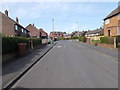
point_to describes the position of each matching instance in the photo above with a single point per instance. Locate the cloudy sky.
(68, 16)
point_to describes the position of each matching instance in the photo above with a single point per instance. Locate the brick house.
(112, 23)
(43, 34)
(56, 34)
(98, 31)
(35, 32)
(11, 28)
(78, 33)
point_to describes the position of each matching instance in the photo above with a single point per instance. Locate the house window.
(25, 31)
(118, 16)
(107, 21)
(22, 30)
(16, 27)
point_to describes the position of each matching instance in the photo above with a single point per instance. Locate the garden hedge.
(76, 37)
(10, 44)
(107, 40)
(82, 38)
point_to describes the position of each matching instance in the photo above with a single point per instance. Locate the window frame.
(107, 21)
(22, 30)
(16, 27)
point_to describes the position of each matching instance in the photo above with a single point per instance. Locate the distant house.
(112, 23)
(66, 35)
(43, 34)
(94, 32)
(78, 33)
(56, 35)
(75, 34)
(82, 33)
(38, 33)
(34, 32)
(11, 28)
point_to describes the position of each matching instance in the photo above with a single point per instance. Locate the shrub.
(10, 44)
(118, 45)
(36, 41)
(82, 38)
(61, 38)
(108, 40)
(76, 37)
(96, 41)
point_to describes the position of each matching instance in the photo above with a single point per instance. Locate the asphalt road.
(72, 65)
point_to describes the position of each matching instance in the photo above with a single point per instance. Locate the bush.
(36, 41)
(108, 40)
(10, 44)
(118, 45)
(82, 38)
(96, 41)
(62, 38)
(76, 37)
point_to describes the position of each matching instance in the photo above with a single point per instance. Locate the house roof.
(95, 31)
(33, 30)
(43, 33)
(113, 13)
(13, 21)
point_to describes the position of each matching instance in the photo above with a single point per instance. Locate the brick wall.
(113, 30)
(7, 28)
(105, 45)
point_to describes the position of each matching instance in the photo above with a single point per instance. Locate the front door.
(108, 32)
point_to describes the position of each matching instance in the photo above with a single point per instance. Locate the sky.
(68, 16)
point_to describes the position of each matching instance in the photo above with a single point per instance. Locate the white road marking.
(59, 46)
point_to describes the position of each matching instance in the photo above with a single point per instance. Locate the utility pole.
(53, 28)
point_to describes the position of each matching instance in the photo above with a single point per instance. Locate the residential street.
(71, 64)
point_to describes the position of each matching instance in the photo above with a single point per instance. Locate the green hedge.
(10, 44)
(74, 37)
(96, 41)
(36, 41)
(82, 38)
(118, 45)
(64, 38)
(107, 40)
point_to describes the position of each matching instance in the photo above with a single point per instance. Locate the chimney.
(33, 24)
(6, 12)
(17, 20)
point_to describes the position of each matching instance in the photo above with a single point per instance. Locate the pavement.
(72, 65)
(14, 68)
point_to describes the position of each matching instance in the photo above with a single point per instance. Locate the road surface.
(72, 65)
